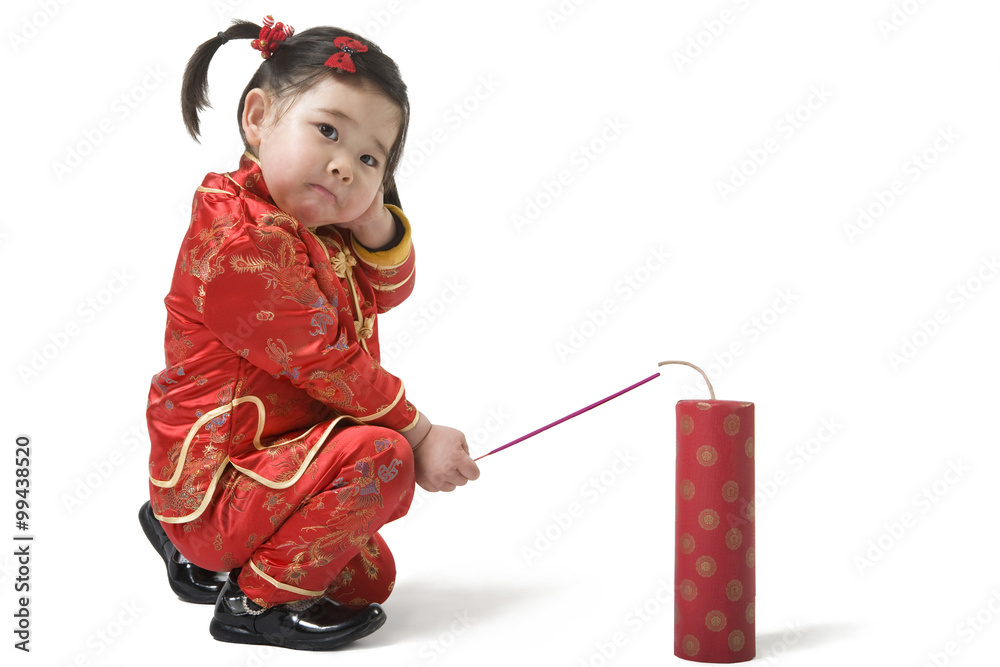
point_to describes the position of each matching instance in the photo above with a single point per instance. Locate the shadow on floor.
(422, 612)
(797, 636)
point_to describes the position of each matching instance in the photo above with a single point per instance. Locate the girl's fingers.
(468, 469)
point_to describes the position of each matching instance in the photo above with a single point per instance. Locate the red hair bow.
(271, 37)
(342, 59)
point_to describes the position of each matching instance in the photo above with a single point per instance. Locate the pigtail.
(390, 195)
(194, 88)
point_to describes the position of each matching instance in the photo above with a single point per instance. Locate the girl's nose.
(340, 168)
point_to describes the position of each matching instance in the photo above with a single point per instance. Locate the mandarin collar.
(249, 177)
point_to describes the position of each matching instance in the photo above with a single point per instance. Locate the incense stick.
(570, 416)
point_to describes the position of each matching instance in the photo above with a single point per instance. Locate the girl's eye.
(328, 131)
(369, 160)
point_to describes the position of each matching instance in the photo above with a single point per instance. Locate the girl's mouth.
(326, 194)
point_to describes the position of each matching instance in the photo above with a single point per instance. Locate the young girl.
(280, 445)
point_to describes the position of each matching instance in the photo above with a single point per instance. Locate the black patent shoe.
(190, 582)
(317, 624)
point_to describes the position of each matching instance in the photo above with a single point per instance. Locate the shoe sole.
(237, 635)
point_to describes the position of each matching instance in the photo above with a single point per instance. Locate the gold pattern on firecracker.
(749, 448)
(688, 590)
(705, 566)
(734, 538)
(708, 519)
(706, 455)
(731, 424)
(715, 620)
(690, 645)
(751, 559)
(687, 543)
(730, 491)
(750, 612)
(687, 489)
(734, 590)
(687, 425)
(736, 640)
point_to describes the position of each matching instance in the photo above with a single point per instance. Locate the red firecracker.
(714, 563)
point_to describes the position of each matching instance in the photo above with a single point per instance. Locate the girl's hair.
(293, 68)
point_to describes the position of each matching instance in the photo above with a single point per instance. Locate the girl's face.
(324, 158)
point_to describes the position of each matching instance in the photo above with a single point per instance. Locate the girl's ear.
(255, 112)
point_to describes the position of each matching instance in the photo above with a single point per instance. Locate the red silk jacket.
(271, 339)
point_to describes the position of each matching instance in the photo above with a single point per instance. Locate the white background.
(505, 331)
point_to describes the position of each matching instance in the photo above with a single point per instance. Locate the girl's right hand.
(442, 461)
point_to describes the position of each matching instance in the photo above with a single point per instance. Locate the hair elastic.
(223, 37)
(271, 36)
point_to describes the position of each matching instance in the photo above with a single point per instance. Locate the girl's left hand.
(375, 227)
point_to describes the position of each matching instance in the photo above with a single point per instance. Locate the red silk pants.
(318, 536)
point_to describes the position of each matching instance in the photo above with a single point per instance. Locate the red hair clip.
(271, 37)
(342, 59)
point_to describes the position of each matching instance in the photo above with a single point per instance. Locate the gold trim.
(384, 411)
(253, 158)
(394, 286)
(211, 414)
(412, 424)
(261, 419)
(352, 287)
(387, 259)
(202, 188)
(209, 493)
(302, 468)
(285, 587)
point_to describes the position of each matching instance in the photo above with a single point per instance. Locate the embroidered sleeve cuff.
(412, 423)
(394, 256)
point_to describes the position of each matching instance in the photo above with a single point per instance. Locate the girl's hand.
(373, 228)
(442, 460)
